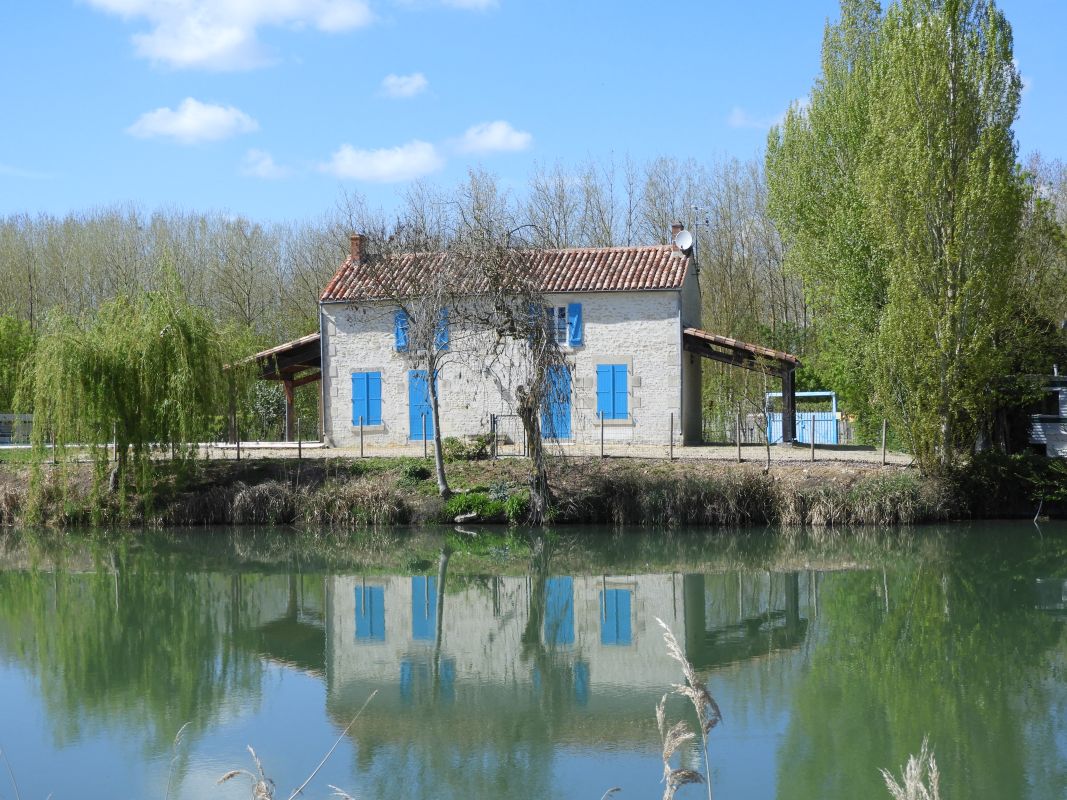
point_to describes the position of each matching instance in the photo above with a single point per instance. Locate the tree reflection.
(137, 644)
(953, 649)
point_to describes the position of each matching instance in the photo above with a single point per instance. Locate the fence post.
(884, 424)
(492, 433)
(767, 441)
(361, 436)
(424, 453)
(115, 439)
(812, 434)
(601, 415)
(737, 433)
(672, 437)
(299, 442)
(237, 429)
(54, 462)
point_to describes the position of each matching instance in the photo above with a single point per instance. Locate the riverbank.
(353, 492)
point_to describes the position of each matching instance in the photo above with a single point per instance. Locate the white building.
(622, 318)
(1049, 428)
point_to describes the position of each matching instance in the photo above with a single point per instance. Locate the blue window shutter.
(400, 325)
(574, 324)
(441, 341)
(619, 391)
(359, 398)
(604, 398)
(374, 398)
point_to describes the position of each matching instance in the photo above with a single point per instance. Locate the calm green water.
(532, 672)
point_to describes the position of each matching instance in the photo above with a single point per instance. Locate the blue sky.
(268, 107)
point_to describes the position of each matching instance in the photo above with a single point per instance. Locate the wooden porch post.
(789, 404)
(290, 411)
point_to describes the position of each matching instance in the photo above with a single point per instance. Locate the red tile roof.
(583, 269)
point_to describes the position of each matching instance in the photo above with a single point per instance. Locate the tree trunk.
(438, 450)
(540, 496)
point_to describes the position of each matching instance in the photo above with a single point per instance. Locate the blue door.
(556, 412)
(419, 404)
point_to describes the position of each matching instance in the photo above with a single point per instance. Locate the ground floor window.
(612, 391)
(366, 398)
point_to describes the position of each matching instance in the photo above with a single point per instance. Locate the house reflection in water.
(491, 676)
(582, 645)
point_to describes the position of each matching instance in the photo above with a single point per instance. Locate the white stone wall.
(482, 635)
(640, 329)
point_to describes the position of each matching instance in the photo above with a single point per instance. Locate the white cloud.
(404, 85)
(221, 34)
(493, 137)
(261, 164)
(193, 122)
(472, 5)
(740, 118)
(387, 165)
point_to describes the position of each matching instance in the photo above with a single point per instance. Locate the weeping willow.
(144, 371)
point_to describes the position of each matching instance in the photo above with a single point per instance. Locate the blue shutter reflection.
(423, 608)
(615, 617)
(559, 611)
(370, 613)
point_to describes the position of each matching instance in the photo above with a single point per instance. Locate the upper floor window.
(564, 324)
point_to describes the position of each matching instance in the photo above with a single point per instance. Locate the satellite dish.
(684, 240)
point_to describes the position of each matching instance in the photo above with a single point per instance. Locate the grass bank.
(382, 492)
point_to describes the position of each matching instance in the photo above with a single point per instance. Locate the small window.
(1051, 403)
(400, 330)
(366, 398)
(612, 395)
(557, 323)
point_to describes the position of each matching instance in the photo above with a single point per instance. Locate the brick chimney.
(676, 228)
(355, 247)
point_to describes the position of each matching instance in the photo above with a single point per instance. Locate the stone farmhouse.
(619, 316)
(626, 318)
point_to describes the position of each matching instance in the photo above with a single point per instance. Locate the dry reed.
(920, 779)
(708, 717)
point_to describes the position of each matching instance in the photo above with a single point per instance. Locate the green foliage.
(517, 506)
(474, 448)
(413, 473)
(994, 484)
(899, 193)
(146, 370)
(16, 345)
(477, 503)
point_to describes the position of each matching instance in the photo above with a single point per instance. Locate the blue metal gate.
(821, 424)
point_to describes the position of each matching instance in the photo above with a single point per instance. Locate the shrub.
(413, 473)
(517, 506)
(475, 448)
(474, 502)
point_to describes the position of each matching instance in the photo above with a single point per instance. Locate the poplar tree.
(898, 192)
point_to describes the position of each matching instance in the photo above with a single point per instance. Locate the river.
(519, 667)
